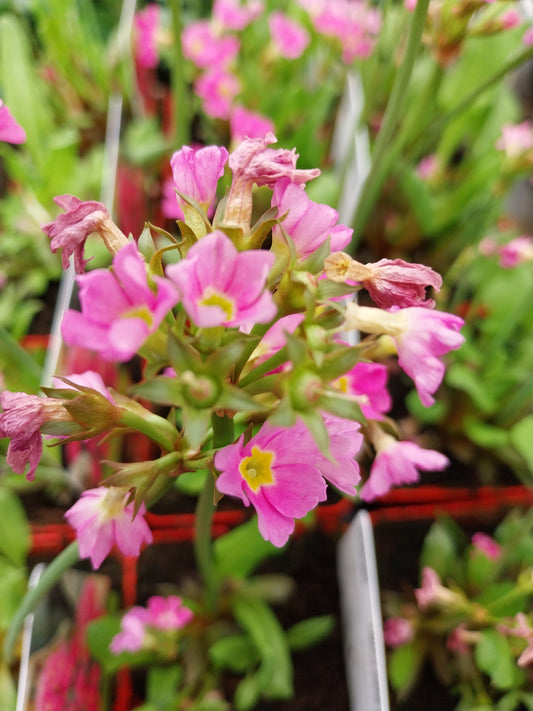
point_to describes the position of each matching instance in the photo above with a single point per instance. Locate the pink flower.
(102, 518)
(511, 18)
(288, 36)
(527, 37)
(234, 15)
(169, 202)
(162, 613)
(308, 224)
(88, 379)
(21, 420)
(487, 545)
(196, 173)
(428, 167)
(247, 124)
(367, 382)
(432, 593)
(10, 130)
(397, 463)
(119, 309)
(410, 5)
(516, 139)
(422, 336)
(275, 338)
(70, 230)
(516, 251)
(146, 24)
(220, 286)
(217, 87)
(397, 631)
(203, 46)
(280, 472)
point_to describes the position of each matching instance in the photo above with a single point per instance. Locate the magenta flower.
(397, 631)
(516, 139)
(516, 251)
(119, 309)
(10, 130)
(487, 545)
(70, 230)
(196, 173)
(247, 124)
(220, 286)
(146, 24)
(169, 202)
(234, 15)
(88, 379)
(281, 471)
(308, 224)
(288, 36)
(21, 420)
(398, 463)
(217, 88)
(208, 50)
(162, 613)
(422, 336)
(367, 382)
(103, 518)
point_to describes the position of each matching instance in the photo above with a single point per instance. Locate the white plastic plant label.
(364, 650)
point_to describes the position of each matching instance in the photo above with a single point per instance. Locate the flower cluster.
(241, 324)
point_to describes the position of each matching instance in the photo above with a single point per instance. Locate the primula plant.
(243, 324)
(470, 617)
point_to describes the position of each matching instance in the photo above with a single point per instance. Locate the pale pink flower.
(288, 36)
(427, 167)
(119, 309)
(280, 472)
(516, 251)
(397, 631)
(220, 286)
(217, 88)
(398, 463)
(516, 139)
(432, 592)
(460, 639)
(102, 518)
(345, 442)
(88, 379)
(527, 37)
(275, 338)
(308, 224)
(410, 5)
(487, 545)
(169, 203)
(10, 130)
(196, 171)
(70, 230)
(367, 382)
(511, 18)
(22, 418)
(208, 50)
(234, 15)
(488, 246)
(146, 25)
(524, 630)
(248, 124)
(162, 613)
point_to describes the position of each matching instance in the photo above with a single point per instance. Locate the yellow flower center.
(256, 469)
(214, 298)
(143, 313)
(341, 384)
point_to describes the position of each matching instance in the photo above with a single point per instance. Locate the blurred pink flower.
(308, 224)
(432, 592)
(398, 463)
(119, 308)
(511, 18)
(280, 472)
(516, 251)
(146, 25)
(235, 15)
(275, 338)
(207, 49)
(102, 518)
(367, 382)
(217, 88)
(527, 37)
(220, 286)
(70, 230)
(487, 545)
(397, 631)
(516, 139)
(247, 124)
(89, 379)
(10, 130)
(196, 171)
(169, 201)
(288, 36)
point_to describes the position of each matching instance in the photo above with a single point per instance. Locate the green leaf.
(493, 656)
(439, 550)
(247, 693)
(404, 666)
(236, 653)
(521, 437)
(15, 534)
(100, 632)
(13, 583)
(196, 424)
(309, 632)
(162, 685)
(161, 390)
(275, 672)
(239, 552)
(8, 692)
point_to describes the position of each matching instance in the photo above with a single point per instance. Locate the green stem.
(391, 119)
(179, 86)
(65, 560)
(203, 541)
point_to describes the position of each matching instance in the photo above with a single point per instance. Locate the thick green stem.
(391, 119)
(179, 86)
(65, 560)
(203, 540)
